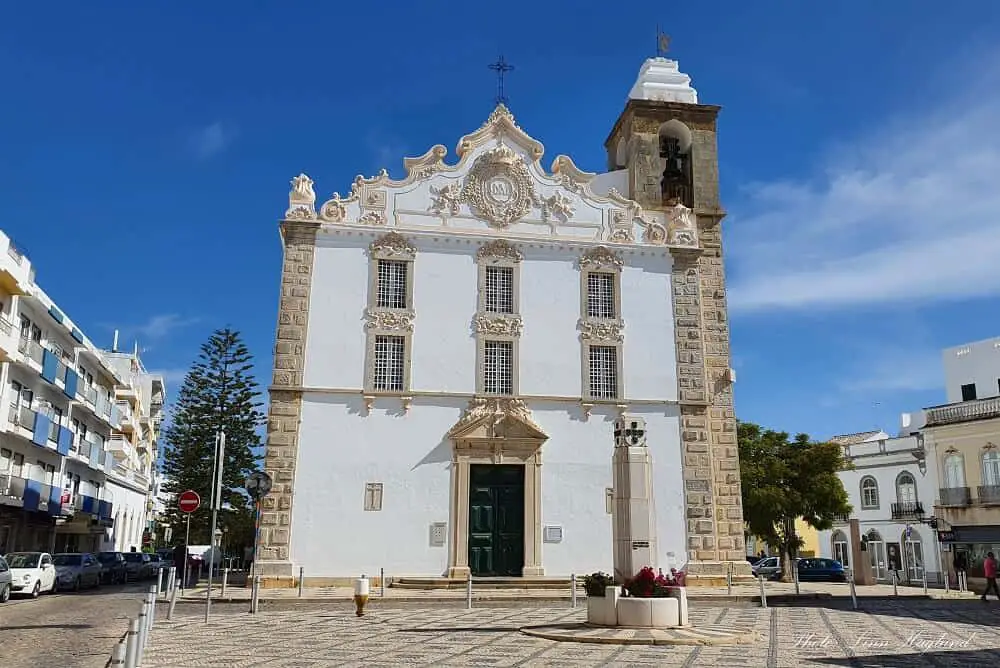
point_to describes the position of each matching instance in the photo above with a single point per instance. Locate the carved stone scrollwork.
(655, 234)
(622, 235)
(499, 325)
(389, 320)
(334, 210)
(481, 407)
(499, 188)
(498, 249)
(608, 331)
(558, 205)
(601, 256)
(301, 199)
(682, 229)
(300, 212)
(392, 246)
(374, 218)
(447, 200)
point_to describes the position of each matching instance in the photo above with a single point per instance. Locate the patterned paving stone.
(887, 633)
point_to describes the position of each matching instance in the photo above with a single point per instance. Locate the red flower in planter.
(647, 583)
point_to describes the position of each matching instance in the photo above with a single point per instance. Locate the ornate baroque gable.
(498, 187)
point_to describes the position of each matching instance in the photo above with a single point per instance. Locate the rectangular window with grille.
(603, 372)
(373, 496)
(391, 288)
(601, 295)
(498, 292)
(390, 359)
(498, 367)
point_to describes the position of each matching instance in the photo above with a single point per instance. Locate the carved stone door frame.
(497, 451)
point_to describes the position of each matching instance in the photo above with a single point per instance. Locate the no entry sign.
(188, 501)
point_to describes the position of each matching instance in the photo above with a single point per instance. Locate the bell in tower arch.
(675, 185)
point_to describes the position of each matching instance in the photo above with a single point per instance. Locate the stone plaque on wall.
(438, 534)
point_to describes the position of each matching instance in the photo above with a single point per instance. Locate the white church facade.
(453, 349)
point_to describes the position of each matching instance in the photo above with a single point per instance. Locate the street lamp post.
(220, 459)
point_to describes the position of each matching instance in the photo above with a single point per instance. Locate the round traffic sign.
(188, 501)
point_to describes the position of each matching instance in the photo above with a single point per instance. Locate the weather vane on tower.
(501, 67)
(662, 43)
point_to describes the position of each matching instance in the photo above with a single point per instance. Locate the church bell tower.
(667, 142)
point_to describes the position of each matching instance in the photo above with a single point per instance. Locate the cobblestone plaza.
(883, 633)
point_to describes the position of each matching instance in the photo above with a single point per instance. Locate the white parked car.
(31, 572)
(5, 581)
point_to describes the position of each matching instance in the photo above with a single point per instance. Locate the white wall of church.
(444, 300)
(341, 449)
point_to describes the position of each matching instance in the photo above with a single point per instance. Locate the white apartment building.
(972, 371)
(59, 459)
(891, 488)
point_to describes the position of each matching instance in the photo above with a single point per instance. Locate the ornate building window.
(869, 493)
(601, 325)
(497, 322)
(991, 468)
(954, 471)
(389, 316)
(906, 488)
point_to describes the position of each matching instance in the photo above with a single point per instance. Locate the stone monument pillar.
(633, 513)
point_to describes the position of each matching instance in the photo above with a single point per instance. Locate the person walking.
(990, 571)
(180, 561)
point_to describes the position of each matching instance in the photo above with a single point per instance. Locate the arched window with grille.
(869, 493)
(954, 471)
(906, 488)
(841, 548)
(991, 468)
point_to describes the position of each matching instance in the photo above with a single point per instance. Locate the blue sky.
(146, 154)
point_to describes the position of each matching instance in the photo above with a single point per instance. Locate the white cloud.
(908, 214)
(895, 370)
(211, 140)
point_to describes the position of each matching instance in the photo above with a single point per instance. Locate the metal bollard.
(795, 576)
(381, 582)
(225, 581)
(255, 594)
(302, 579)
(173, 603)
(925, 582)
(854, 592)
(152, 611)
(140, 642)
(729, 580)
(468, 592)
(171, 582)
(159, 581)
(895, 591)
(118, 655)
(572, 586)
(763, 594)
(132, 644)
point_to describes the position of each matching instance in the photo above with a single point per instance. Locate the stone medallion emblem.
(499, 188)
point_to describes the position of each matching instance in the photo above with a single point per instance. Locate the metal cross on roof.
(662, 43)
(501, 67)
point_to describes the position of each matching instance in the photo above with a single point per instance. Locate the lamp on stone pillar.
(633, 512)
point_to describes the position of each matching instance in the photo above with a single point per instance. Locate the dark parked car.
(818, 570)
(115, 568)
(138, 564)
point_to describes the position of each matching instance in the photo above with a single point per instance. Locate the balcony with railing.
(83, 447)
(53, 368)
(31, 350)
(842, 518)
(86, 393)
(118, 443)
(97, 455)
(12, 490)
(907, 510)
(128, 422)
(988, 495)
(955, 497)
(102, 406)
(8, 343)
(964, 411)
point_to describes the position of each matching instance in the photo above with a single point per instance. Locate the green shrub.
(595, 583)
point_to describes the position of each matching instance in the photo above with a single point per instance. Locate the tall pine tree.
(219, 393)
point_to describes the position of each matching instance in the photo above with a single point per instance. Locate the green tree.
(218, 393)
(784, 479)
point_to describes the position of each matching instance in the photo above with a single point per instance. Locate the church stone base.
(713, 573)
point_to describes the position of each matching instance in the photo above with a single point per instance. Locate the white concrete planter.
(638, 613)
(602, 610)
(648, 613)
